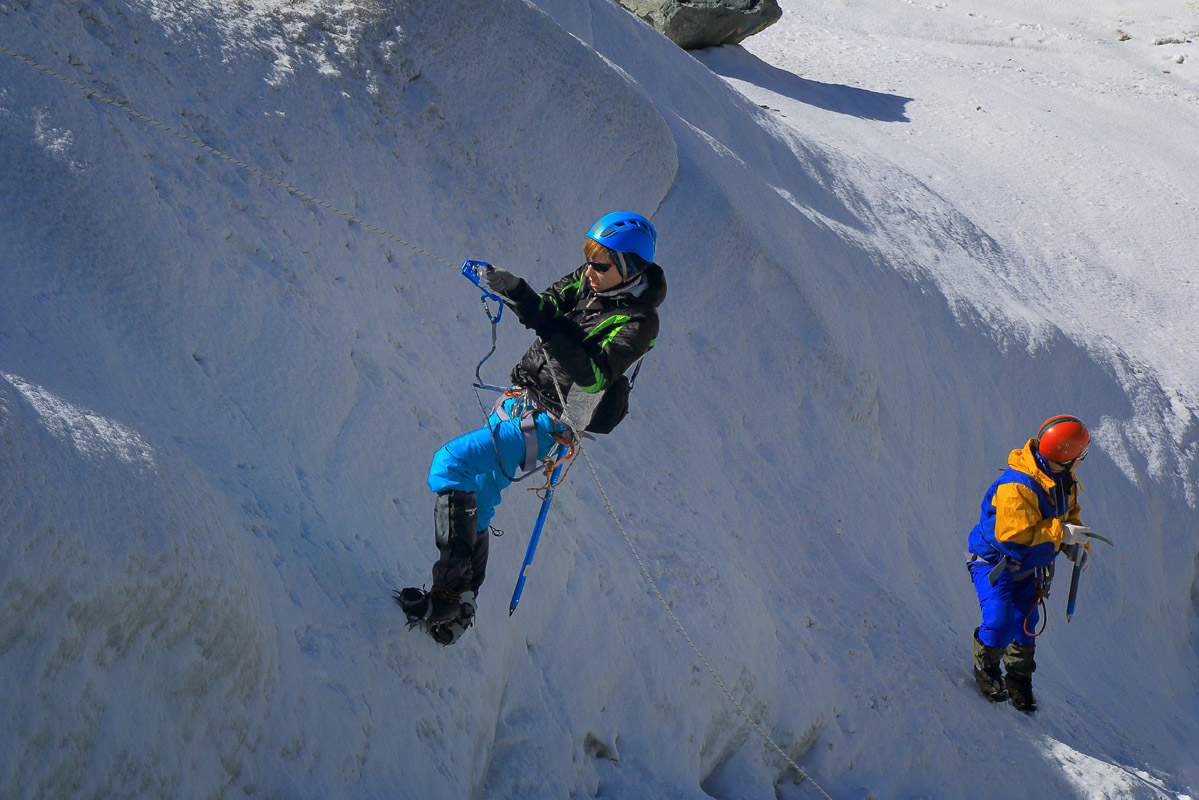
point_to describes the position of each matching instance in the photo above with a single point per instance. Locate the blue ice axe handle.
(1077, 572)
(473, 270)
(559, 452)
(1074, 576)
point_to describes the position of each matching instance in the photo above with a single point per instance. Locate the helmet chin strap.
(621, 262)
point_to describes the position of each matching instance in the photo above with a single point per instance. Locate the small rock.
(692, 24)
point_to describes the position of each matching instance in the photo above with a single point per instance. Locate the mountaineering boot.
(446, 633)
(1020, 664)
(987, 672)
(448, 609)
(443, 614)
(413, 601)
(437, 605)
(1022, 696)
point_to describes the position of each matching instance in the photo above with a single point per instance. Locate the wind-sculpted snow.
(129, 629)
(218, 403)
(95, 437)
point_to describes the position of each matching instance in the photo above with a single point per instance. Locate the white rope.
(698, 654)
(92, 93)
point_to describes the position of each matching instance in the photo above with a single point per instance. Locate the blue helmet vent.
(626, 232)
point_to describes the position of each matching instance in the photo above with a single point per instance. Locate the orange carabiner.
(570, 451)
(1044, 616)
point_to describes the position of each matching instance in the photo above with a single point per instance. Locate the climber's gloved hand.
(1074, 534)
(499, 281)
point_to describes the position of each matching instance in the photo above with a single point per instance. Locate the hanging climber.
(591, 326)
(1028, 515)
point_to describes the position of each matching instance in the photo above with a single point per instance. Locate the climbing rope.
(757, 726)
(576, 449)
(300, 193)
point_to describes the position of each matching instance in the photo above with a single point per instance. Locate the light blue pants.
(470, 464)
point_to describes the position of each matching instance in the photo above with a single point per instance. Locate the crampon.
(443, 614)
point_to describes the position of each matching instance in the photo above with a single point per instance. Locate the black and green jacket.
(585, 339)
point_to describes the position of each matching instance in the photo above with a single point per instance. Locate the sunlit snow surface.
(897, 237)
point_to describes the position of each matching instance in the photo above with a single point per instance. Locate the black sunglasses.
(599, 266)
(1076, 460)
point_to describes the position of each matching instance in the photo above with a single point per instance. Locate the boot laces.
(445, 594)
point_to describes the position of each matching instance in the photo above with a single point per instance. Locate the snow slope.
(218, 401)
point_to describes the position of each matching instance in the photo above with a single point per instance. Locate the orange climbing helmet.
(1063, 439)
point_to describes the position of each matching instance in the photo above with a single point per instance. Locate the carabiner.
(473, 270)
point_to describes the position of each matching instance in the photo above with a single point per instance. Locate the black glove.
(499, 281)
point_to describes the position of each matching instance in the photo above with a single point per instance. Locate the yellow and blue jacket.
(1023, 511)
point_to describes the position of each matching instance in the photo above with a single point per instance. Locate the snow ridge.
(218, 403)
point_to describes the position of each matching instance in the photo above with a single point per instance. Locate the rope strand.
(94, 94)
(687, 636)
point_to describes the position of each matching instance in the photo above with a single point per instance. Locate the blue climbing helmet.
(626, 232)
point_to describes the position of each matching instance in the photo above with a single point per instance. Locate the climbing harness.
(1005, 564)
(515, 403)
(522, 406)
(562, 453)
(1042, 576)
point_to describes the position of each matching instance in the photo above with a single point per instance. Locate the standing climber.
(1028, 515)
(591, 326)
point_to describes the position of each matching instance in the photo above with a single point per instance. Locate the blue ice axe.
(1076, 572)
(1074, 575)
(559, 452)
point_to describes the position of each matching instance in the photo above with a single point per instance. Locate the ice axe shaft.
(545, 508)
(1077, 571)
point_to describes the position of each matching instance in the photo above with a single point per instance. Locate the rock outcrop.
(692, 24)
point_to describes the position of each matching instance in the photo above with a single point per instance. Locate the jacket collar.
(648, 288)
(1033, 464)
